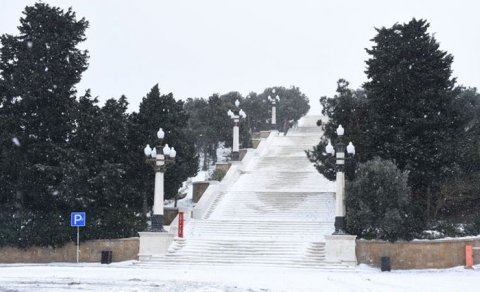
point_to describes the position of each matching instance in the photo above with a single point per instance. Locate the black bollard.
(385, 267)
(106, 257)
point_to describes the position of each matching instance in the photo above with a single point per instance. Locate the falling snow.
(16, 141)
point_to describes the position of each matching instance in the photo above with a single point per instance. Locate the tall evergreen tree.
(259, 111)
(410, 112)
(292, 106)
(38, 72)
(410, 93)
(348, 108)
(163, 111)
(211, 124)
(198, 110)
(39, 69)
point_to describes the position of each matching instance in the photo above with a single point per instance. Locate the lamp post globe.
(160, 134)
(340, 130)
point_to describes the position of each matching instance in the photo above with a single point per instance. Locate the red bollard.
(468, 257)
(180, 224)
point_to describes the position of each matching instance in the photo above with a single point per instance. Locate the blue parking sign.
(78, 219)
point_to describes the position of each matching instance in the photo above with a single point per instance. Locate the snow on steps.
(258, 230)
(273, 209)
(279, 206)
(287, 254)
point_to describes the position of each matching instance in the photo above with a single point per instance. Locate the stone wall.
(223, 166)
(169, 213)
(255, 142)
(264, 134)
(242, 153)
(424, 254)
(199, 187)
(90, 251)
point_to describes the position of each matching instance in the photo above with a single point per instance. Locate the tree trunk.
(285, 127)
(429, 203)
(205, 158)
(214, 152)
(145, 205)
(19, 201)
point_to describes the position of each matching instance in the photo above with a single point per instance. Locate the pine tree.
(410, 113)
(292, 106)
(197, 109)
(39, 69)
(410, 93)
(162, 111)
(38, 72)
(348, 108)
(259, 111)
(108, 194)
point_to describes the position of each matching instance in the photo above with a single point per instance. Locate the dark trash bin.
(385, 267)
(106, 257)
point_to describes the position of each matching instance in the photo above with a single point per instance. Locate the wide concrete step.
(259, 260)
(311, 200)
(283, 163)
(245, 255)
(308, 140)
(271, 181)
(245, 250)
(286, 151)
(276, 206)
(286, 230)
(259, 226)
(171, 263)
(238, 250)
(247, 242)
(210, 251)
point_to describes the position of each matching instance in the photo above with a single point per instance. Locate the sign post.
(78, 219)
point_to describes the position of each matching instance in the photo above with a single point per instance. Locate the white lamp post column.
(160, 157)
(274, 109)
(236, 138)
(235, 116)
(159, 192)
(340, 209)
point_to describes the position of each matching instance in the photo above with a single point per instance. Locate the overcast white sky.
(196, 48)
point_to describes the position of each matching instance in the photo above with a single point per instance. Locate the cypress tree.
(39, 69)
(161, 111)
(410, 93)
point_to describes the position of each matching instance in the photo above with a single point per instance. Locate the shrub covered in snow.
(378, 202)
(218, 174)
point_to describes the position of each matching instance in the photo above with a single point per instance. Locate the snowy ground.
(128, 276)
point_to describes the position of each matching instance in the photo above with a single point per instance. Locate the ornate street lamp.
(274, 109)
(235, 116)
(340, 163)
(159, 157)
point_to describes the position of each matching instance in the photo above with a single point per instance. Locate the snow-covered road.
(128, 276)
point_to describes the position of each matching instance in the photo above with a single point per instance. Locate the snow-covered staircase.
(275, 212)
(247, 252)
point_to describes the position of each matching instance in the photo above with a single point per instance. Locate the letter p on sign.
(78, 219)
